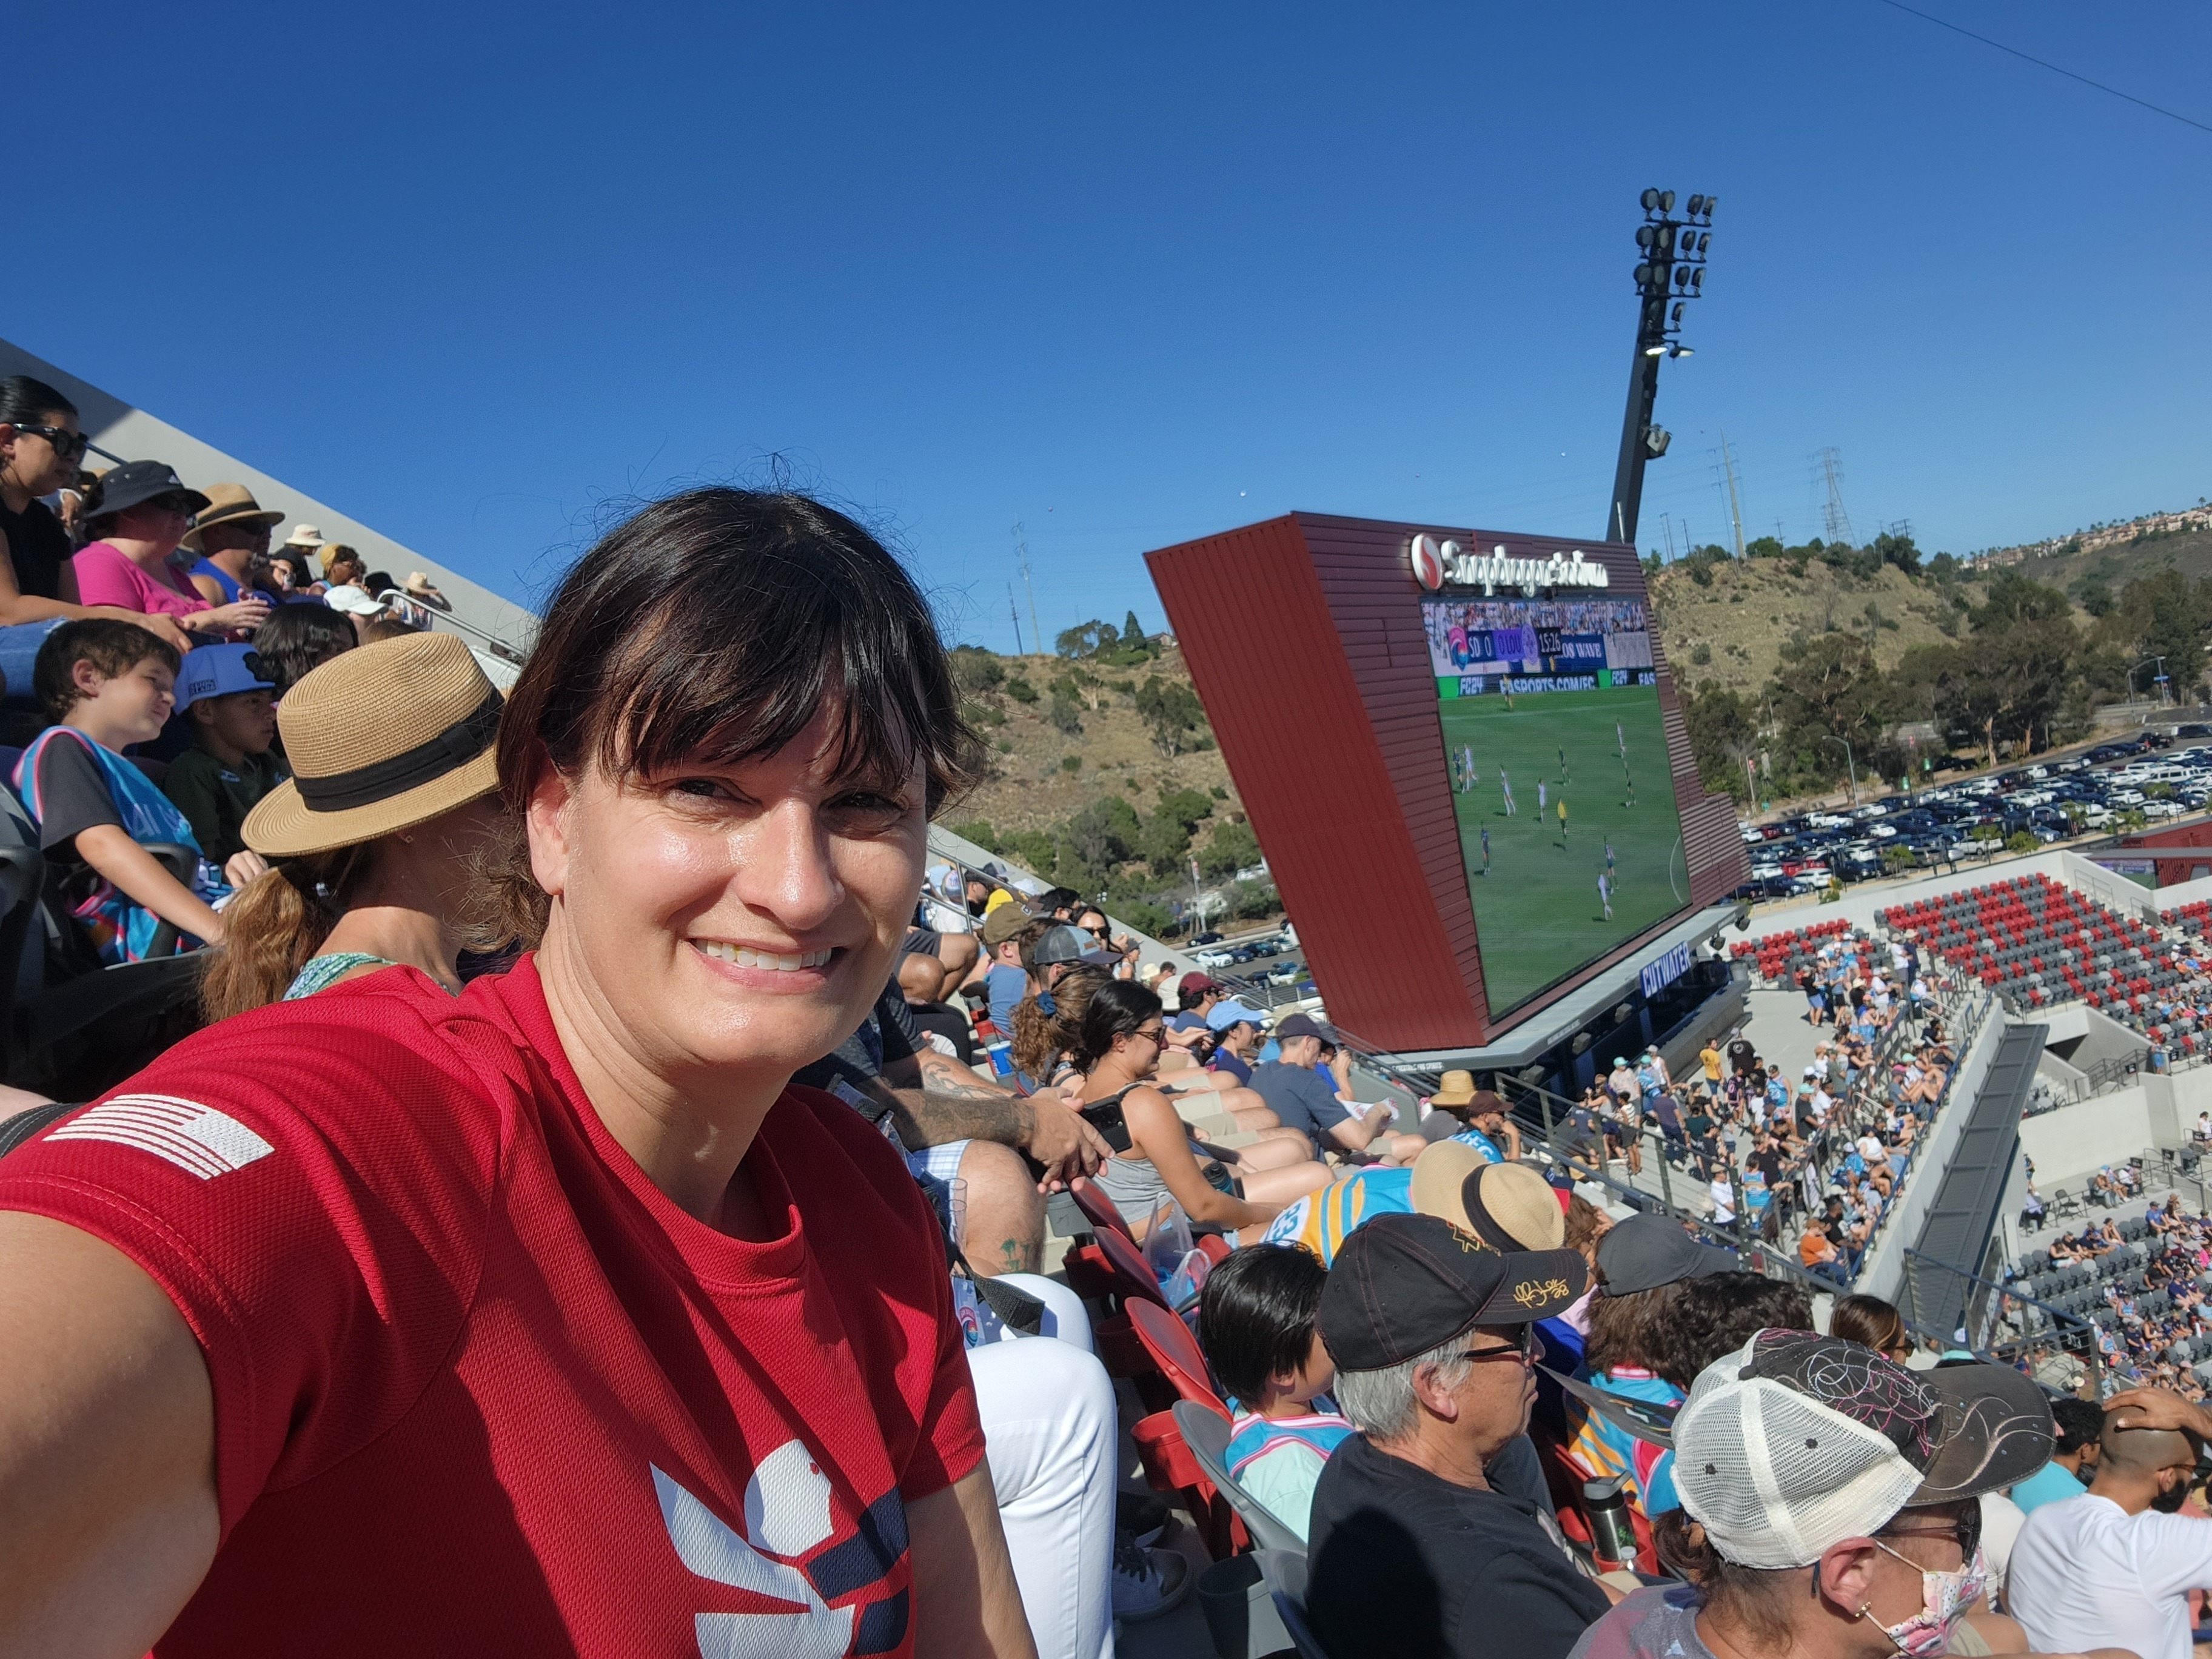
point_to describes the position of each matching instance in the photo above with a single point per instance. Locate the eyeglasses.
(69, 445)
(1524, 1348)
(1150, 1034)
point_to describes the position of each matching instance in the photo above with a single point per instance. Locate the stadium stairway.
(1955, 1230)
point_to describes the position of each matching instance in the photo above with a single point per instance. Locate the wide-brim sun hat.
(380, 739)
(228, 503)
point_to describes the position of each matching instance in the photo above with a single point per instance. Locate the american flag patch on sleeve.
(199, 1139)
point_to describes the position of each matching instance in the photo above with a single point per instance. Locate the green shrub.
(1020, 689)
(1071, 763)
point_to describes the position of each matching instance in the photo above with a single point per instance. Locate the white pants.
(1049, 1427)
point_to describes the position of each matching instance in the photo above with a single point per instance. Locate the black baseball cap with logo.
(1402, 1285)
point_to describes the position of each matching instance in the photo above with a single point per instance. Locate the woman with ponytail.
(376, 837)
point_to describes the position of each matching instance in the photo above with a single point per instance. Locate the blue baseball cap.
(216, 670)
(1230, 1012)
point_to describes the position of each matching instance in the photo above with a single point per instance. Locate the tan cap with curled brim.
(379, 738)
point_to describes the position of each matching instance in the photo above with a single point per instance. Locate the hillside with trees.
(1787, 655)
(1103, 775)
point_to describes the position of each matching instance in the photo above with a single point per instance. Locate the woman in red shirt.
(546, 1318)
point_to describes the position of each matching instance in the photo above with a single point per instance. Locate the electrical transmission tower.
(1022, 558)
(1835, 523)
(1734, 500)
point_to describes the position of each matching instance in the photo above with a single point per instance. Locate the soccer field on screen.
(1537, 906)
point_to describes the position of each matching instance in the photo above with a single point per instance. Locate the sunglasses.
(69, 445)
(1965, 1531)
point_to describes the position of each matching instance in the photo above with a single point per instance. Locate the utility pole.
(1671, 270)
(1015, 611)
(1022, 556)
(1735, 503)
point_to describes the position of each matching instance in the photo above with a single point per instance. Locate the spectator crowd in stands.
(595, 1153)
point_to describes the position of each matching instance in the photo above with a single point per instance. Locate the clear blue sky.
(1128, 278)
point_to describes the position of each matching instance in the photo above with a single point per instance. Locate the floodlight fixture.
(1643, 236)
(1643, 276)
(1696, 206)
(1650, 199)
(1666, 201)
(1655, 351)
(1698, 278)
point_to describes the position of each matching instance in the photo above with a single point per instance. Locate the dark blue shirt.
(1297, 1098)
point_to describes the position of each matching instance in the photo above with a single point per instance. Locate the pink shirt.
(106, 575)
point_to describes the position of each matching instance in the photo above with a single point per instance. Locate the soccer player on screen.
(1486, 850)
(1563, 765)
(1506, 785)
(1539, 798)
(1605, 893)
(1563, 820)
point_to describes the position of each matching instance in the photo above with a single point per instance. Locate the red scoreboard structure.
(1389, 698)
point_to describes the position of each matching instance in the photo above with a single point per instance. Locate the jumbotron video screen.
(1549, 710)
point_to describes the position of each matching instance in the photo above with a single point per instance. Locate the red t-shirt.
(479, 1386)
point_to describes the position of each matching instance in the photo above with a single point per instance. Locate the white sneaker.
(1148, 1582)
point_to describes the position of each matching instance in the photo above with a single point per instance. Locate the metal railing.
(1998, 1323)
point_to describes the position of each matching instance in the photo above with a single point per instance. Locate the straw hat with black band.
(380, 739)
(229, 503)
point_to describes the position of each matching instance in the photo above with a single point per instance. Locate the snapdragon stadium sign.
(1434, 563)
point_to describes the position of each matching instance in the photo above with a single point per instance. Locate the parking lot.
(2053, 799)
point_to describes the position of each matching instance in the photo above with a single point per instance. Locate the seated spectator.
(2080, 1426)
(216, 782)
(420, 589)
(1301, 1101)
(366, 874)
(1480, 1119)
(1195, 996)
(39, 448)
(1439, 1182)
(1007, 980)
(1643, 1262)
(1818, 1255)
(345, 586)
(1567, 1334)
(918, 977)
(139, 520)
(1872, 1323)
(1861, 1515)
(1714, 1315)
(1235, 1027)
(1416, 1547)
(110, 684)
(231, 536)
(2117, 1563)
(1116, 1052)
(1256, 1324)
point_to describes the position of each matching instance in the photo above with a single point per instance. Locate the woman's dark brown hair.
(1869, 1321)
(1040, 1038)
(710, 629)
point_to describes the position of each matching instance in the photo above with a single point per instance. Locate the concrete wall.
(1882, 1273)
(2074, 1142)
(133, 433)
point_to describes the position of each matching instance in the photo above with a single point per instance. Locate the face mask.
(1945, 1597)
(2170, 1501)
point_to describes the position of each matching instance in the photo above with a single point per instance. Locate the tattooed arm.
(952, 1104)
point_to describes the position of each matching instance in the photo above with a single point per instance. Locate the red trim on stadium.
(1303, 637)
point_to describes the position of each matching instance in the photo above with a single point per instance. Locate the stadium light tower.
(1670, 272)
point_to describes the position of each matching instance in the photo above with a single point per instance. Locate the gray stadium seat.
(1286, 1573)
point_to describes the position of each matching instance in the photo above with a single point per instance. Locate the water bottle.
(1612, 1531)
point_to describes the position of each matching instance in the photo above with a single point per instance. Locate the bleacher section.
(2079, 1289)
(2038, 944)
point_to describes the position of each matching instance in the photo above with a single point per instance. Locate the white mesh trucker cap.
(1796, 1442)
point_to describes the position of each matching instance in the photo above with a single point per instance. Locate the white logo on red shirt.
(787, 1512)
(197, 1140)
